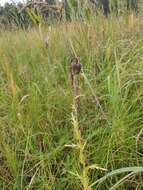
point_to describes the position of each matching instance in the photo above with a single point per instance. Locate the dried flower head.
(75, 69)
(75, 66)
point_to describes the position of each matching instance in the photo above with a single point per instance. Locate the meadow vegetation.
(45, 142)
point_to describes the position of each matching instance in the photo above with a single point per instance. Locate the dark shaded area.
(132, 5)
(106, 9)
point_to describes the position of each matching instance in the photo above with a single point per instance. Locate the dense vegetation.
(61, 131)
(45, 143)
(21, 15)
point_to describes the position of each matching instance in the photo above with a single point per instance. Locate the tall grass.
(44, 142)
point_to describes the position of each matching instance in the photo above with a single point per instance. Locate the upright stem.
(77, 134)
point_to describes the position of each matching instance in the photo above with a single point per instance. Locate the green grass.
(47, 144)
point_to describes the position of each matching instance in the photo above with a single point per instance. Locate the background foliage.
(12, 15)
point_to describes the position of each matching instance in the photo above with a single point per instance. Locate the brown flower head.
(75, 66)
